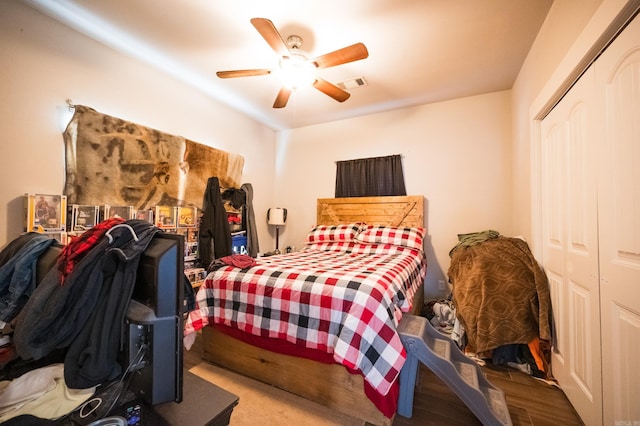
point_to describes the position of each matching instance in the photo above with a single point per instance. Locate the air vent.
(352, 84)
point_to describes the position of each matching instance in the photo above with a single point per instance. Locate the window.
(370, 177)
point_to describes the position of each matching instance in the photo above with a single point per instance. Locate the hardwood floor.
(530, 401)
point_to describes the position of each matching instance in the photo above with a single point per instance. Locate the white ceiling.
(420, 51)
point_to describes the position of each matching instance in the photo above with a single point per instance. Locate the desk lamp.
(277, 217)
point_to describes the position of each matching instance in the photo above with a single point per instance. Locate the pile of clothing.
(63, 334)
(442, 316)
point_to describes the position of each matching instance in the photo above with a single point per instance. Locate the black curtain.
(370, 177)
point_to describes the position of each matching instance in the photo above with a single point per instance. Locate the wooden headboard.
(405, 210)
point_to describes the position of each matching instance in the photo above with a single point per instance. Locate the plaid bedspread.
(342, 298)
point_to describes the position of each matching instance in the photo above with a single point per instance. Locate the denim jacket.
(18, 276)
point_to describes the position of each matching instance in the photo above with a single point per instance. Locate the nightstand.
(203, 404)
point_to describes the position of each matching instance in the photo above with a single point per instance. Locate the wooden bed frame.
(328, 384)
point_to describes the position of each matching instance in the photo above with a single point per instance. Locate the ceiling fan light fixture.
(296, 71)
(295, 68)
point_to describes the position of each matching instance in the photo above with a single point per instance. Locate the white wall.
(456, 154)
(570, 30)
(43, 63)
(565, 20)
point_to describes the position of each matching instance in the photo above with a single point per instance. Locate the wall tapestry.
(113, 161)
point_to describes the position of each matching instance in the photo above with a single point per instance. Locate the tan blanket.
(113, 161)
(501, 293)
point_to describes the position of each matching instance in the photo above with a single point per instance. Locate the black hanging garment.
(214, 234)
(92, 358)
(253, 247)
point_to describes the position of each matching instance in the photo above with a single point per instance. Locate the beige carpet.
(261, 404)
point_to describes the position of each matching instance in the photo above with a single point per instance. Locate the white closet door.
(570, 245)
(618, 81)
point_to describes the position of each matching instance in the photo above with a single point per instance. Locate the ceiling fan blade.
(241, 73)
(282, 98)
(271, 35)
(355, 52)
(332, 90)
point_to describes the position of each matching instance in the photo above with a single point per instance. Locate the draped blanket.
(116, 162)
(501, 293)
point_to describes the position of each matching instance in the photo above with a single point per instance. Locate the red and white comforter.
(345, 299)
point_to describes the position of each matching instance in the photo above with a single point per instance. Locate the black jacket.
(253, 247)
(214, 234)
(86, 313)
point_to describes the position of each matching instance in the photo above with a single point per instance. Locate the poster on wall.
(109, 160)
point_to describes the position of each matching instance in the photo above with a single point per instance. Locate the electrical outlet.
(442, 285)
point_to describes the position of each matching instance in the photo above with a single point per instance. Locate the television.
(153, 350)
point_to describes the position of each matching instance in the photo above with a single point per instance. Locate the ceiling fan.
(293, 60)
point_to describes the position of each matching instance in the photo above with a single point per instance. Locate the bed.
(320, 323)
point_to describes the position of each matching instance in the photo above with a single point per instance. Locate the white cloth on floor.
(52, 404)
(31, 385)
